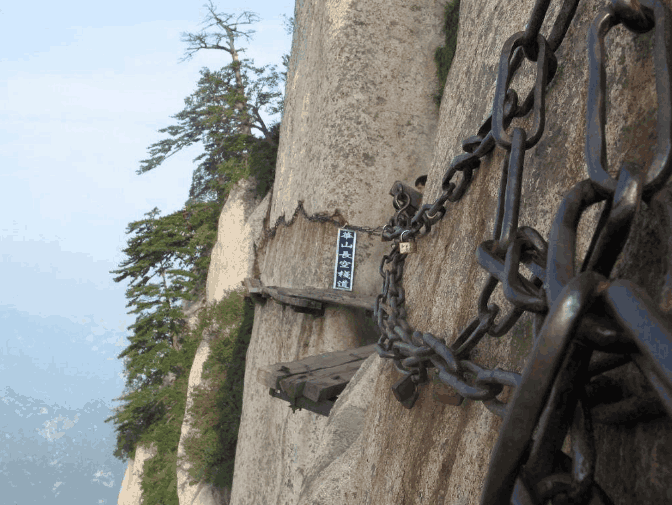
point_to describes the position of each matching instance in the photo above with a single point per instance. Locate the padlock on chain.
(406, 391)
(407, 247)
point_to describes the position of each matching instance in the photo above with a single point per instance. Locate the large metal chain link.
(562, 387)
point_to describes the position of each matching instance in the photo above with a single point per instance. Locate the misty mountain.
(51, 454)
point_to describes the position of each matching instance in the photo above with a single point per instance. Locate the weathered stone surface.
(437, 453)
(358, 110)
(233, 259)
(273, 443)
(330, 467)
(131, 491)
(200, 493)
(304, 254)
(240, 225)
(191, 310)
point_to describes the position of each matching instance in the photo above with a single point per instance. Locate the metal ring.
(596, 147)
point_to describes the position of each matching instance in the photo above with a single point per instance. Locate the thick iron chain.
(576, 313)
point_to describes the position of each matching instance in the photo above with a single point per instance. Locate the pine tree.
(223, 112)
(157, 256)
(167, 258)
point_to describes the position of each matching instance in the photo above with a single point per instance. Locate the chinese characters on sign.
(345, 259)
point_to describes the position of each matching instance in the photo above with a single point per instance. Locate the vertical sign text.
(345, 259)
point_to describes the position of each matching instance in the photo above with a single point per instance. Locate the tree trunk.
(241, 106)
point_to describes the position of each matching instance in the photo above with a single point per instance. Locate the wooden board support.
(323, 408)
(297, 303)
(331, 382)
(253, 286)
(310, 299)
(318, 378)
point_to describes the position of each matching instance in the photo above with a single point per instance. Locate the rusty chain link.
(562, 387)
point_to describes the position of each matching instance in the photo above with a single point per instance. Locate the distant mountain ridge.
(52, 454)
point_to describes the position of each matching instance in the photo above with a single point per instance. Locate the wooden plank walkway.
(314, 382)
(308, 299)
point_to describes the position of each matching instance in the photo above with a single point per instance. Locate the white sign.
(345, 259)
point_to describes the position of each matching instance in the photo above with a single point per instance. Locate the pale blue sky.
(84, 87)
(83, 91)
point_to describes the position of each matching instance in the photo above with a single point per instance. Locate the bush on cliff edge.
(443, 56)
(218, 401)
(216, 410)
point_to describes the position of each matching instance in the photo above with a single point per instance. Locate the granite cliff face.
(233, 259)
(131, 492)
(359, 115)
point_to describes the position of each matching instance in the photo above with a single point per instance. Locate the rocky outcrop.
(358, 106)
(348, 56)
(240, 227)
(131, 490)
(199, 493)
(233, 259)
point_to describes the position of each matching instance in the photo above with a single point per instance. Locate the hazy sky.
(84, 87)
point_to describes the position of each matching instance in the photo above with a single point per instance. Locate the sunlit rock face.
(131, 490)
(233, 259)
(358, 109)
(355, 65)
(240, 226)
(359, 115)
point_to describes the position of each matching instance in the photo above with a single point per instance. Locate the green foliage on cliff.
(148, 410)
(218, 401)
(167, 260)
(216, 412)
(443, 56)
(224, 110)
(159, 480)
(263, 158)
(211, 118)
(168, 257)
(153, 415)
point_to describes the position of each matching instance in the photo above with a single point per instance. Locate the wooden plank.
(253, 286)
(364, 351)
(282, 296)
(271, 375)
(314, 297)
(328, 383)
(331, 297)
(293, 385)
(323, 408)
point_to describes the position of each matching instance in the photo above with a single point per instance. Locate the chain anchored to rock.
(562, 388)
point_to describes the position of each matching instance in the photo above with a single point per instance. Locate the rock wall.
(358, 106)
(447, 255)
(358, 116)
(371, 450)
(233, 259)
(240, 226)
(131, 490)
